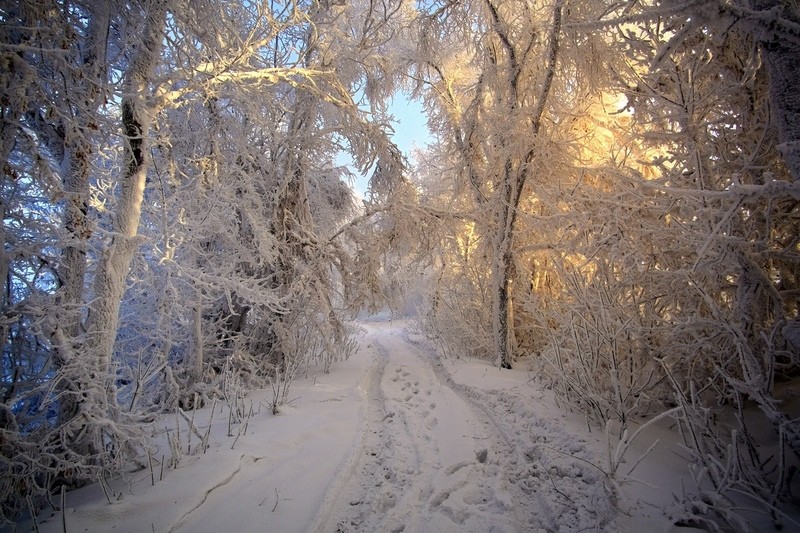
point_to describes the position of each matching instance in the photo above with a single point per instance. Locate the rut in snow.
(439, 456)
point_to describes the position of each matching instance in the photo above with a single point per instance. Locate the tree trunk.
(513, 182)
(137, 116)
(503, 299)
(783, 66)
(197, 359)
(75, 165)
(782, 58)
(10, 112)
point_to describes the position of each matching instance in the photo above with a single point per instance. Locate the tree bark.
(137, 116)
(13, 92)
(75, 164)
(783, 66)
(782, 59)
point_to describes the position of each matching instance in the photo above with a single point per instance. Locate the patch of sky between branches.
(410, 131)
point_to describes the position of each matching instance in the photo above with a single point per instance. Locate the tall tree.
(495, 125)
(184, 157)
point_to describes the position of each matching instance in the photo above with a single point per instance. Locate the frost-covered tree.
(654, 258)
(775, 26)
(56, 85)
(278, 306)
(490, 68)
(725, 168)
(173, 217)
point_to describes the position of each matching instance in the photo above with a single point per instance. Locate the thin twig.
(152, 475)
(554, 483)
(32, 510)
(64, 508)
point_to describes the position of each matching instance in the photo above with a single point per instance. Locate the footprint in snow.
(431, 423)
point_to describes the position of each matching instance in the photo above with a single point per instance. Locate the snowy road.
(393, 439)
(435, 455)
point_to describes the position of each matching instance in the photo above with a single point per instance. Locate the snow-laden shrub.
(458, 316)
(600, 352)
(64, 431)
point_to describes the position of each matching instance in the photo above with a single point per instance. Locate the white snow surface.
(394, 439)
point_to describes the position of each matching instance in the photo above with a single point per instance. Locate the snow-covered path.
(393, 439)
(424, 460)
(440, 456)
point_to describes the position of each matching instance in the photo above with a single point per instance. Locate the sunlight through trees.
(611, 194)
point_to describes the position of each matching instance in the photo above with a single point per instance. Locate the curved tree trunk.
(137, 116)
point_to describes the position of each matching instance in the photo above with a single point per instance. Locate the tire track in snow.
(427, 461)
(549, 470)
(386, 460)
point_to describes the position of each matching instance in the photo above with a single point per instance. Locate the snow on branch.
(743, 192)
(767, 24)
(296, 77)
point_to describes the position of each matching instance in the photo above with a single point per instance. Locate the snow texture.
(395, 439)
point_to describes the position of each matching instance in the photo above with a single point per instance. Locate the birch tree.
(245, 112)
(653, 263)
(494, 126)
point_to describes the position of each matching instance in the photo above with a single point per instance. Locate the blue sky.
(410, 129)
(410, 124)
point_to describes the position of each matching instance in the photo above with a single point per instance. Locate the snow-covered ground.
(394, 439)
